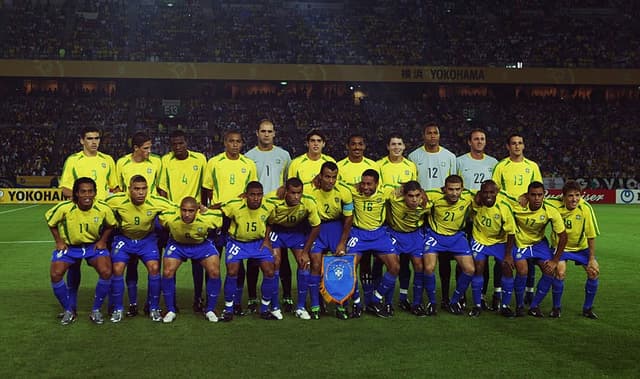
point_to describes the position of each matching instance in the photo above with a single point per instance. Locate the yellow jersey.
(78, 227)
(580, 224)
(150, 168)
(305, 169)
(137, 221)
(334, 204)
(395, 174)
(286, 216)
(228, 178)
(195, 232)
(246, 224)
(350, 173)
(182, 178)
(514, 177)
(369, 212)
(100, 168)
(445, 218)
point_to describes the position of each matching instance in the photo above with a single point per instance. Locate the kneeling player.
(530, 243)
(582, 228)
(81, 228)
(407, 207)
(449, 209)
(493, 235)
(188, 240)
(249, 238)
(136, 211)
(370, 234)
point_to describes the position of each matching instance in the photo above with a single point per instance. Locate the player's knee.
(153, 268)
(418, 267)
(168, 272)
(315, 268)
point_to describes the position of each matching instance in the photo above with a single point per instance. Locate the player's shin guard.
(237, 299)
(507, 289)
(303, 287)
(590, 289)
(230, 287)
(430, 287)
(461, 287)
(169, 291)
(102, 290)
(314, 291)
(477, 285)
(154, 291)
(269, 286)
(132, 281)
(213, 290)
(557, 288)
(275, 295)
(518, 287)
(73, 284)
(117, 292)
(404, 276)
(367, 288)
(544, 284)
(418, 287)
(61, 293)
(197, 271)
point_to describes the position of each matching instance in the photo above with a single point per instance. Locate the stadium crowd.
(569, 138)
(453, 33)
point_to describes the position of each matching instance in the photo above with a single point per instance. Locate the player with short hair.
(181, 176)
(531, 243)
(226, 177)
(448, 214)
(136, 211)
(582, 229)
(435, 163)
(475, 167)
(369, 233)
(81, 228)
(493, 232)
(290, 220)
(350, 169)
(307, 166)
(139, 162)
(407, 210)
(396, 170)
(98, 166)
(513, 175)
(335, 208)
(188, 240)
(249, 239)
(271, 162)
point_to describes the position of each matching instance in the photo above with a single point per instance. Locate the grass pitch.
(34, 344)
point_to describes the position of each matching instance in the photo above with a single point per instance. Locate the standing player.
(435, 164)
(139, 162)
(188, 240)
(272, 163)
(395, 170)
(407, 210)
(475, 167)
(226, 177)
(136, 211)
(81, 228)
(290, 220)
(181, 176)
(448, 214)
(352, 167)
(307, 166)
(249, 239)
(304, 167)
(531, 243)
(493, 235)
(513, 175)
(370, 234)
(89, 163)
(335, 208)
(582, 229)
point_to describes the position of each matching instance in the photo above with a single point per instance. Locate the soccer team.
(392, 213)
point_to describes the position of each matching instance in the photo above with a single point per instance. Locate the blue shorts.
(290, 239)
(146, 249)
(329, 237)
(196, 252)
(236, 251)
(378, 241)
(456, 244)
(540, 250)
(75, 253)
(580, 257)
(408, 243)
(481, 252)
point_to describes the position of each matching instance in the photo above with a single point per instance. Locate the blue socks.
(275, 296)
(461, 287)
(518, 286)
(556, 292)
(230, 288)
(314, 290)
(117, 292)
(544, 284)
(590, 289)
(62, 294)
(213, 290)
(102, 290)
(303, 287)
(418, 288)
(430, 287)
(154, 291)
(476, 289)
(267, 289)
(507, 290)
(169, 291)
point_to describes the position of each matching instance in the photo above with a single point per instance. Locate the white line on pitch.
(18, 209)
